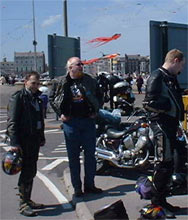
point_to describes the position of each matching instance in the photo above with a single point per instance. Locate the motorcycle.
(131, 147)
(123, 97)
(126, 148)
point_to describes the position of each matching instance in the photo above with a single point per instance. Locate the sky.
(87, 19)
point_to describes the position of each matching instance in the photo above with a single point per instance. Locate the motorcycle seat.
(113, 133)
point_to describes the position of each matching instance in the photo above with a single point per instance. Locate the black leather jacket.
(163, 95)
(91, 91)
(23, 118)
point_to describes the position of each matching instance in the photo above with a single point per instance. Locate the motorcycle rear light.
(144, 125)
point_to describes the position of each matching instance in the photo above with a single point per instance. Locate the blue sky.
(87, 19)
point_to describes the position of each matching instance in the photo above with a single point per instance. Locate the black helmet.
(12, 162)
(151, 211)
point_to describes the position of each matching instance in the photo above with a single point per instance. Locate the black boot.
(168, 206)
(25, 208)
(31, 203)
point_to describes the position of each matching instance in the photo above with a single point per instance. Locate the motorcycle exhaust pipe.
(105, 154)
(110, 156)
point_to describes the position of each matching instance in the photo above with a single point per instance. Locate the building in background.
(122, 65)
(7, 67)
(24, 62)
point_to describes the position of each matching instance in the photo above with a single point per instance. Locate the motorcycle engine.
(128, 142)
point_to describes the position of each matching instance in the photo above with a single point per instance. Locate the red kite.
(103, 40)
(110, 56)
(87, 62)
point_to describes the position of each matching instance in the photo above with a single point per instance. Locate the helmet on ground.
(151, 211)
(12, 162)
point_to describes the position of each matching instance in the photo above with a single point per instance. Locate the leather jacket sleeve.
(14, 115)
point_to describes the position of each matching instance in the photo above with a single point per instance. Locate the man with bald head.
(81, 102)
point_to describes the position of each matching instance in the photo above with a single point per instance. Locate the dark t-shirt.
(79, 106)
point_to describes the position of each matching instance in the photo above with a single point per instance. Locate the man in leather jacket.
(80, 104)
(25, 128)
(163, 100)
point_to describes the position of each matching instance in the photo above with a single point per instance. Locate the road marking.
(2, 131)
(62, 145)
(7, 148)
(54, 164)
(2, 122)
(60, 149)
(51, 158)
(3, 144)
(53, 130)
(54, 190)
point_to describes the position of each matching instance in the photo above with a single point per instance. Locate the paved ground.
(117, 183)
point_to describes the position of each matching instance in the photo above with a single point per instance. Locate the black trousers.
(30, 148)
(164, 131)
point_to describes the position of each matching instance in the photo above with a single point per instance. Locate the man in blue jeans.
(81, 102)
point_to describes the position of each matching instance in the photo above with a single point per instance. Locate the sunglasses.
(79, 64)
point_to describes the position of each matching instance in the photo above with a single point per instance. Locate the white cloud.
(51, 20)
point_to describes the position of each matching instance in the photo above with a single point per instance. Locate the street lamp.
(34, 41)
(65, 19)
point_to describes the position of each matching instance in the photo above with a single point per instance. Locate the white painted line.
(2, 131)
(54, 164)
(53, 130)
(7, 148)
(3, 144)
(3, 136)
(3, 116)
(61, 151)
(62, 145)
(50, 119)
(41, 154)
(51, 158)
(2, 122)
(54, 190)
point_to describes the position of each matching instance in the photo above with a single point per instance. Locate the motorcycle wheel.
(101, 166)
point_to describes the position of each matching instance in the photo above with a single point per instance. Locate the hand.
(186, 91)
(64, 118)
(17, 149)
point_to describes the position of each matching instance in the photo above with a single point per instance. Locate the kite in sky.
(103, 40)
(109, 56)
(87, 62)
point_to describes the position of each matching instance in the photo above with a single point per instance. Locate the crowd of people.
(82, 97)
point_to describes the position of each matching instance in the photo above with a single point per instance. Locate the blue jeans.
(81, 132)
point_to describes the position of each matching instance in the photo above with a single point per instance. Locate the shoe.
(170, 207)
(93, 189)
(78, 193)
(168, 213)
(26, 210)
(35, 205)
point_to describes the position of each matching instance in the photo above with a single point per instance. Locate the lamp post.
(34, 41)
(65, 19)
